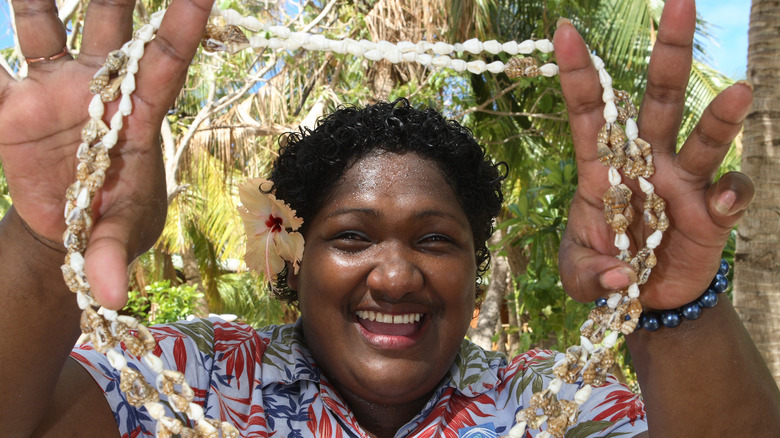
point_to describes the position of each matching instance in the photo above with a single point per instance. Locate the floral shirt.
(267, 384)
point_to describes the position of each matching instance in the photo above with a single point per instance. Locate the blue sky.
(728, 50)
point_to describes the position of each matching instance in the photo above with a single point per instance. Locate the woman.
(685, 373)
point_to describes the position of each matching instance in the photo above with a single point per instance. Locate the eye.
(435, 239)
(351, 241)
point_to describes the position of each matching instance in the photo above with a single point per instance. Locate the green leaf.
(588, 428)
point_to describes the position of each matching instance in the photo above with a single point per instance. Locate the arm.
(39, 387)
(705, 377)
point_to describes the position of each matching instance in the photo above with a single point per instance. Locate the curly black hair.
(311, 161)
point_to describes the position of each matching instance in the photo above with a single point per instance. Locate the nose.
(396, 272)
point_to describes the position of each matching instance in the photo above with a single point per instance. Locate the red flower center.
(274, 223)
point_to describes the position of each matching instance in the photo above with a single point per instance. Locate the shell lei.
(619, 148)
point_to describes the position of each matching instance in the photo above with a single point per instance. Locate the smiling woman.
(397, 205)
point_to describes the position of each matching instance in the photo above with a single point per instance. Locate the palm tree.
(756, 273)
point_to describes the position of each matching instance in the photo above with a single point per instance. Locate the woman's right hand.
(41, 118)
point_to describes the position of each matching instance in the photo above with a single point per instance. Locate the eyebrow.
(375, 214)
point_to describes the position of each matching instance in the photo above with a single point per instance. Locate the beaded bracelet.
(652, 321)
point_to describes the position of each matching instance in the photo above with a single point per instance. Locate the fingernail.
(724, 202)
(746, 83)
(562, 21)
(617, 278)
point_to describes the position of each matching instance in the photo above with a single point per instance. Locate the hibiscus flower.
(270, 226)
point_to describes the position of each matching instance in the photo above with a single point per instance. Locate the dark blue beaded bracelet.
(652, 321)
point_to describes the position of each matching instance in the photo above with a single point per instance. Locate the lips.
(388, 331)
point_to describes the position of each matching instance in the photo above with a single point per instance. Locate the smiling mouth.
(390, 331)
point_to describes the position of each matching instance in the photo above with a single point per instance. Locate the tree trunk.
(490, 310)
(756, 275)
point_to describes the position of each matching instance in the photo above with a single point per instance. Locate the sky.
(728, 18)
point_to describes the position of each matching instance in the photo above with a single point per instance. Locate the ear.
(292, 278)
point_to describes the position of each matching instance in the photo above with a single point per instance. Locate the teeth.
(407, 318)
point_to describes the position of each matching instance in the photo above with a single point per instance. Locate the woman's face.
(387, 284)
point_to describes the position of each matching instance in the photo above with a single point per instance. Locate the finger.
(667, 78)
(581, 90)
(40, 31)
(106, 262)
(586, 274)
(729, 197)
(108, 25)
(720, 123)
(169, 55)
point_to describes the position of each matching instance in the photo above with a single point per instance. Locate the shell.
(135, 387)
(522, 67)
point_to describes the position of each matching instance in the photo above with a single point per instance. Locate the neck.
(381, 420)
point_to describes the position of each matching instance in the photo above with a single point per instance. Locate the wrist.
(652, 320)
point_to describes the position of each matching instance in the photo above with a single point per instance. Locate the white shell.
(296, 40)
(195, 412)
(368, 45)
(597, 62)
(614, 176)
(136, 49)
(128, 321)
(441, 48)
(145, 33)
(586, 344)
(610, 112)
(608, 95)
(424, 46)
(655, 239)
(77, 261)
(518, 430)
(458, 47)
(495, 67)
(583, 394)
(109, 140)
(156, 410)
(510, 47)
(116, 359)
(393, 55)
(549, 70)
(126, 105)
(473, 45)
(632, 130)
(406, 46)
(235, 18)
(633, 291)
(258, 42)
(109, 314)
(555, 385)
(424, 59)
(458, 65)
(409, 56)
(614, 300)
(586, 324)
(544, 46)
(373, 55)
(96, 107)
(355, 48)
(622, 242)
(280, 31)
(252, 24)
(493, 47)
(605, 78)
(205, 428)
(526, 47)
(317, 42)
(131, 66)
(646, 186)
(117, 120)
(544, 434)
(82, 200)
(153, 362)
(441, 61)
(156, 18)
(610, 340)
(476, 67)
(83, 300)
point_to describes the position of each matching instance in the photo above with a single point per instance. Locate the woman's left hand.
(702, 212)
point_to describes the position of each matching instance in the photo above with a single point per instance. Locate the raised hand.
(702, 212)
(41, 119)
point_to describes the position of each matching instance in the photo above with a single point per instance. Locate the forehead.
(384, 174)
